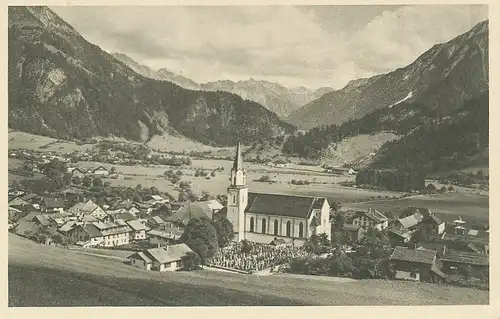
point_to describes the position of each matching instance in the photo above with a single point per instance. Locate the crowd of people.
(252, 256)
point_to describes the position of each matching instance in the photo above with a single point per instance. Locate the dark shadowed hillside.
(63, 86)
(442, 78)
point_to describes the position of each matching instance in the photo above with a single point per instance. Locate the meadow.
(51, 276)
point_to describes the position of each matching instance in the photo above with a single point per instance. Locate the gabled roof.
(410, 221)
(422, 256)
(433, 219)
(85, 208)
(50, 202)
(373, 215)
(29, 196)
(172, 233)
(156, 220)
(157, 197)
(403, 234)
(136, 225)
(168, 254)
(466, 258)
(91, 230)
(125, 216)
(18, 201)
(282, 205)
(140, 255)
(68, 226)
(43, 220)
(191, 210)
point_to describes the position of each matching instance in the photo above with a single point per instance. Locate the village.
(267, 233)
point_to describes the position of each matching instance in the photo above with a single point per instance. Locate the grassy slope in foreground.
(49, 276)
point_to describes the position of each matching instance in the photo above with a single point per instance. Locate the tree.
(212, 174)
(336, 206)
(245, 247)
(465, 271)
(431, 189)
(112, 170)
(206, 196)
(200, 235)
(76, 180)
(87, 181)
(191, 261)
(224, 230)
(317, 244)
(264, 178)
(97, 183)
(183, 197)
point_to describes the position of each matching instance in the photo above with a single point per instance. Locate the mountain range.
(275, 97)
(62, 86)
(442, 78)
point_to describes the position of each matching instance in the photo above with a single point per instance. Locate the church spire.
(238, 159)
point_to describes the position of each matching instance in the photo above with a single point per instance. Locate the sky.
(311, 46)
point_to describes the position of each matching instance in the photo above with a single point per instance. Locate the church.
(262, 217)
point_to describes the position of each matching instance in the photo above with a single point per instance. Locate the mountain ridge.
(64, 86)
(434, 78)
(275, 97)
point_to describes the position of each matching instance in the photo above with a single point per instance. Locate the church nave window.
(301, 230)
(263, 226)
(234, 199)
(276, 227)
(251, 224)
(288, 230)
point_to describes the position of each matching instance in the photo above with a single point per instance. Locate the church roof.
(282, 205)
(238, 159)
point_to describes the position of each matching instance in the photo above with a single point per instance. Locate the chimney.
(444, 250)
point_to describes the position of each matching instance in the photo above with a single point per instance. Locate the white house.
(101, 171)
(164, 237)
(161, 259)
(88, 208)
(138, 230)
(370, 218)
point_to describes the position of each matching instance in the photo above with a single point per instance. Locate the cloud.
(290, 45)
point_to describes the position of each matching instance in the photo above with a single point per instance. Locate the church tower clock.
(237, 196)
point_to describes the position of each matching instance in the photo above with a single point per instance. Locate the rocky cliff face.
(435, 79)
(63, 86)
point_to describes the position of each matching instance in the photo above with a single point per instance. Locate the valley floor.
(51, 276)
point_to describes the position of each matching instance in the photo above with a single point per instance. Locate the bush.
(265, 178)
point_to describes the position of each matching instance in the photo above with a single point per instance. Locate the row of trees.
(392, 179)
(369, 260)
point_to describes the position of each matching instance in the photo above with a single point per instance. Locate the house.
(133, 211)
(67, 226)
(432, 225)
(43, 220)
(398, 237)
(370, 218)
(18, 203)
(101, 234)
(125, 216)
(155, 221)
(101, 171)
(164, 237)
(88, 208)
(415, 264)
(408, 223)
(161, 259)
(78, 173)
(118, 175)
(138, 230)
(32, 198)
(453, 260)
(50, 204)
(355, 232)
(14, 213)
(85, 233)
(195, 210)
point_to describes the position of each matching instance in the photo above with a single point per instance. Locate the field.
(50, 276)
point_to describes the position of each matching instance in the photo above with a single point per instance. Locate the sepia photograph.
(215, 156)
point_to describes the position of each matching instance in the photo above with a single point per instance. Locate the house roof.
(410, 221)
(91, 230)
(350, 227)
(191, 210)
(136, 225)
(433, 219)
(125, 216)
(29, 196)
(399, 233)
(43, 220)
(156, 219)
(213, 204)
(282, 205)
(140, 255)
(466, 258)
(89, 218)
(85, 208)
(422, 256)
(373, 215)
(157, 197)
(68, 226)
(169, 253)
(18, 201)
(23, 226)
(411, 210)
(172, 233)
(50, 202)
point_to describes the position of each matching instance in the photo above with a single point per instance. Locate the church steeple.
(238, 159)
